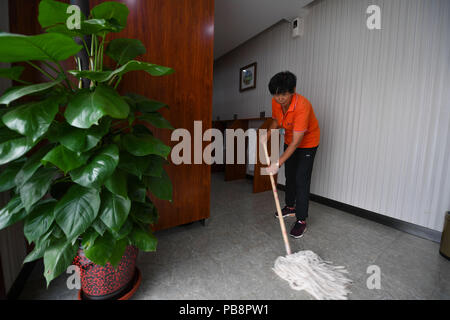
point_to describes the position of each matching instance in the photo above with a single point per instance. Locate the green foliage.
(13, 73)
(18, 92)
(124, 50)
(43, 47)
(75, 163)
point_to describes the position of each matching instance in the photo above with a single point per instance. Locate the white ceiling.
(236, 21)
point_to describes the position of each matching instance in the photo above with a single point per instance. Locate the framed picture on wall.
(247, 77)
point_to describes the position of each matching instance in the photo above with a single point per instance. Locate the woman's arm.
(296, 140)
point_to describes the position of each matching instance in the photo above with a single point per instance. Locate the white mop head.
(305, 270)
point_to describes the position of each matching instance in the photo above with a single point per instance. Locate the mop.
(305, 270)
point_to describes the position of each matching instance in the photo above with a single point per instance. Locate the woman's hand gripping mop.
(305, 270)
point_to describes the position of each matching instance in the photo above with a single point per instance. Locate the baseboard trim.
(19, 284)
(404, 226)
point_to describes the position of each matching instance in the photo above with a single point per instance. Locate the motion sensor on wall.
(297, 27)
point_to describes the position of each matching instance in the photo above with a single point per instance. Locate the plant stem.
(23, 81)
(118, 81)
(85, 45)
(92, 45)
(65, 76)
(95, 52)
(78, 63)
(42, 71)
(50, 66)
(63, 179)
(100, 54)
(112, 80)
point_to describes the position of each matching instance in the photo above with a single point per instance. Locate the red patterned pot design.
(98, 281)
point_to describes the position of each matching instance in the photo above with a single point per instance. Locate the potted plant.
(78, 160)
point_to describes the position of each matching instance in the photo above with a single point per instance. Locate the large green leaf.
(18, 92)
(31, 165)
(110, 10)
(98, 169)
(48, 46)
(141, 129)
(114, 210)
(53, 17)
(154, 166)
(39, 221)
(41, 244)
(144, 212)
(12, 213)
(88, 238)
(65, 159)
(124, 231)
(133, 165)
(99, 226)
(12, 145)
(143, 145)
(123, 50)
(99, 26)
(86, 108)
(101, 250)
(54, 14)
(87, 27)
(9, 173)
(143, 104)
(62, 28)
(76, 139)
(133, 65)
(118, 251)
(57, 258)
(76, 211)
(117, 183)
(157, 120)
(56, 231)
(36, 187)
(160, 187)
(136, 189)
(32, 119)
(144, 240)
(13, 73)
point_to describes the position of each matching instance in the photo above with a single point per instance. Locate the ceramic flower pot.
(105, 282)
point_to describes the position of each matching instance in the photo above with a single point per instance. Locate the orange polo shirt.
(299, 117)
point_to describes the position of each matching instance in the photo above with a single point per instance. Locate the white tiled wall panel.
(382, 98)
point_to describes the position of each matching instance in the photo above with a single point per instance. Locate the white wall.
(12, 241)
(382, 99)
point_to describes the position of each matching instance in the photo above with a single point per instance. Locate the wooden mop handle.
(277, 202)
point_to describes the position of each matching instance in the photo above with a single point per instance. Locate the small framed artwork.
(247, 77)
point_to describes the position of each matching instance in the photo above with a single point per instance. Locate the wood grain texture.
(262, 183)
(237, 171)
(178, 34)
(219, 125)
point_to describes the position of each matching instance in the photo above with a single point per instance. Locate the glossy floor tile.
(232, 257)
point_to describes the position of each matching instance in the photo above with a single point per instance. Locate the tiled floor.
(232, 257)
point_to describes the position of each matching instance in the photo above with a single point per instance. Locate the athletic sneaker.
(299, 229)
(286, 212)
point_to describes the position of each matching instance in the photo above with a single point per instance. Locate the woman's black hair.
(283, 82)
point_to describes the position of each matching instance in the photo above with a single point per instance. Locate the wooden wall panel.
(237, 171)
(261, 183)
(219, 125)
(178, 34)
